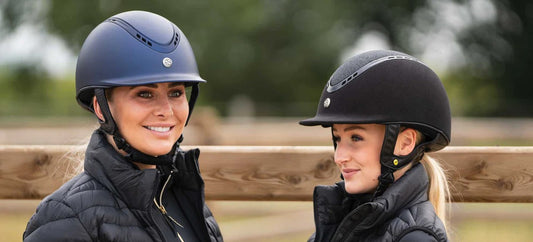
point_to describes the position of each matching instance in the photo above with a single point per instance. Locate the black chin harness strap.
(390, 162)
(194, 95)
(108, 124)
(133, 155)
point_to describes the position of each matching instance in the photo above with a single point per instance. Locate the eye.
(336, 139)
(176, 93)
(145, 94)
(356, 138)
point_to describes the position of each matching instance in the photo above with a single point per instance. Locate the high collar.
(135, 187)
(410, 189)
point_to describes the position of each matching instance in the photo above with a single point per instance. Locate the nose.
(341, 154)
(163, 107)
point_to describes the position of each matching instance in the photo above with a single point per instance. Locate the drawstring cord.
(162, 208)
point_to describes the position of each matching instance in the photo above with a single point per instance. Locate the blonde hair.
(439, 191)
(73, 160)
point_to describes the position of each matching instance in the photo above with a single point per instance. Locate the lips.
(349, 172)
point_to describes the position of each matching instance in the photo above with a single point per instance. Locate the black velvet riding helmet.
(390, 88)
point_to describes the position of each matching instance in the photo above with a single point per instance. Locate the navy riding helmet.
(129, 49)
(390, 88)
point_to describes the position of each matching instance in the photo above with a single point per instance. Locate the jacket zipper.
(170, 220)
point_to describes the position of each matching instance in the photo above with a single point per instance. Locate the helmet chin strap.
(390, 162)
(132, 155)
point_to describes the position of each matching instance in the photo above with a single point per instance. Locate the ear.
(97, 109)
(406, 142)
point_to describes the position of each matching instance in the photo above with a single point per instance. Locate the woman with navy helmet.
(385, 110)
(137, 184)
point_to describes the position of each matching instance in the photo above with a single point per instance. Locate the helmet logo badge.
(327, 102)
(167, 62)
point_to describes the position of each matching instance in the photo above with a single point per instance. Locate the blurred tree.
(497, 77)
(282, 52)
(274, 52)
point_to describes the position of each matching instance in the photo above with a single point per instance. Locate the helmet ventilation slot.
(164, 48)
(143, 39)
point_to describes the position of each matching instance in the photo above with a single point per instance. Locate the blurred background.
(266, 63)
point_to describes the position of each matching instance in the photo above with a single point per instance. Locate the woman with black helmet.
(137, 184)
(385, 110)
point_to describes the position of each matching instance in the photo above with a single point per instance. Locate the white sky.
(31, 44)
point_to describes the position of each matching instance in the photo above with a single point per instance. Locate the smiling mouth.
(349, 172)
(158, 129)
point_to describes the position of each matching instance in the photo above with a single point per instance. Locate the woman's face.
(357, 155)
(150, 117)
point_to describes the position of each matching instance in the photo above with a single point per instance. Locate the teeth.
(158, 129)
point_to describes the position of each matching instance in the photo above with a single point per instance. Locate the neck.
(144, 166)
(141, 166)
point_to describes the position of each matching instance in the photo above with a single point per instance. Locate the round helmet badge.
(167, 62)
(327, 102)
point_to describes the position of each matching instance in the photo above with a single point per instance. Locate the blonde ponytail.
(438, 192)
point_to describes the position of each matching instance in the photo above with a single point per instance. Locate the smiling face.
(357, 155)
(150, 117)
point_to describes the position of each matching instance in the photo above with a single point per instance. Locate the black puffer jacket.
(112, 200)
(402, 213)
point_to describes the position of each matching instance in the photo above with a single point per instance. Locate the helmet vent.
(143, 39)
(164, 48)
(338, 85)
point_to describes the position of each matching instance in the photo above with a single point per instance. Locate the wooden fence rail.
(281, 173)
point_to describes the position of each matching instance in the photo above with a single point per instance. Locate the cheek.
(181, 110)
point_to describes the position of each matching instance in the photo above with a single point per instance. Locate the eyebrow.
(353, 127)
(153, 85)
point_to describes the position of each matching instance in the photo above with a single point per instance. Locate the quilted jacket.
(112, 200)
(401, 213)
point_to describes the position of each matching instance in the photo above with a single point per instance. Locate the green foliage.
(274, 52)
(281, 53)
(471, 94)
(499, 71)
(26, 92)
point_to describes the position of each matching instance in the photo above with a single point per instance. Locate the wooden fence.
(281, 173)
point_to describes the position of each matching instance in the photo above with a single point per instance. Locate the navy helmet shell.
(133, 48)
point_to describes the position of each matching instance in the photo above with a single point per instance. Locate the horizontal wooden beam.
(281, 173)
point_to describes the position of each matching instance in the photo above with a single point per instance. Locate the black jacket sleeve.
(418, 236)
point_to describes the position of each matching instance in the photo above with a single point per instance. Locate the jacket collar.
(410, 189)
(135, 187)
(334, 208)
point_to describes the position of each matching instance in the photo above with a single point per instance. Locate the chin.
(353, 189)
(157, 151)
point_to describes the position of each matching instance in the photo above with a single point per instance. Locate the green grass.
(494, 230)
(12, 225)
